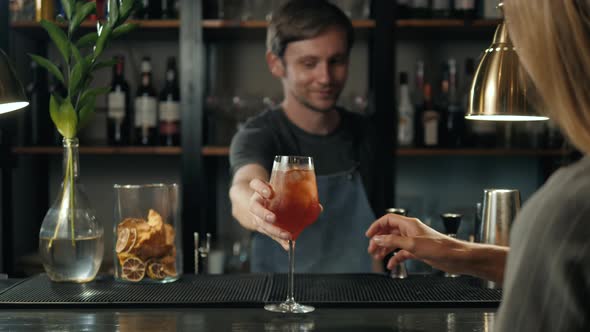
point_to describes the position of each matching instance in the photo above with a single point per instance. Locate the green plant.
(81, 54)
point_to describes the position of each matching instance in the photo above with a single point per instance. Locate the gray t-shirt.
(547, 278)
(354, 142)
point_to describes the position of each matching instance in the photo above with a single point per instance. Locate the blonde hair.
(552, 39)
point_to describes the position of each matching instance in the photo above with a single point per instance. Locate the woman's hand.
(416, 241)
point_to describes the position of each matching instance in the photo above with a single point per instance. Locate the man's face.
(315, 70)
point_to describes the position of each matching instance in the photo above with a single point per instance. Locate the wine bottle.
(464, 9)
(405, 131)
(169, 117)
(170, 9)
(419, 8)
(441, 8)
(430, 120)
(36, 118)
(402, 9)
(455, 122)
(118, 108)
(146, 107)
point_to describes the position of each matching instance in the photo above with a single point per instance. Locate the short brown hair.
(304, 19)
(552, 39)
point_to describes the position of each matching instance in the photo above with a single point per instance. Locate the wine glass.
(296, 206)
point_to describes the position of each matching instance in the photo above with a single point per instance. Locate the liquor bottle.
(146, 107)
(149, 10)
(455, 122)
(118, 109)
(418, 99)
(430, 120)
(31, 135)
(170, 9)
(419, 8)
(464, 9)
(44, 10)
(405, 131)
(442, 104)
(169, 119)
(441, 8)
(402, 9)
(481, 133)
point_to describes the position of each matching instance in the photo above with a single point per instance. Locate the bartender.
(308, 50)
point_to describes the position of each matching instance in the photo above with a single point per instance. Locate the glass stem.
(290, 297)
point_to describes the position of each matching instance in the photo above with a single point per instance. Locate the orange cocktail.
(295, 203)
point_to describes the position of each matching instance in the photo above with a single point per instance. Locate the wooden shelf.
(102, 150)
(215, 151)
(224, 24)
(482, 152)
(121, 150)
(143, 24)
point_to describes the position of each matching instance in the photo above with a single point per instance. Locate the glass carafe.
(71, 243)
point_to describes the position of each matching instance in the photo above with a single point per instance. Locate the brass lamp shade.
(12, 95)
(497, 93)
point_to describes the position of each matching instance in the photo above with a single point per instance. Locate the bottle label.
(116, 105)
(419, 4)
(145, 111)
(430, 120)
(405, 131)
(169, 128)
(169, 111)
(464, 4)
(441, 4)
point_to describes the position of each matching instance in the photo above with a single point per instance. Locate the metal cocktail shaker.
(500, 207)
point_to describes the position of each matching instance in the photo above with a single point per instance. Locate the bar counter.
(235, 303)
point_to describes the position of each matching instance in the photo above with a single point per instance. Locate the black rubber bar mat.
(188, 291)
(347, 290)
(371, 290)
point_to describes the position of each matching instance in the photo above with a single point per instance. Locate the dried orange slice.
(133, 269)
(156, 271)
(132, 239)
(122, 240)
(169, 265)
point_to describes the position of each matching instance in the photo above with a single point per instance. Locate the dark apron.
(336, 242)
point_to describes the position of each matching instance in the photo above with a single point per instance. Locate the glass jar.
(147, 243)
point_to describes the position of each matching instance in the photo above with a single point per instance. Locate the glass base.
(289, 307)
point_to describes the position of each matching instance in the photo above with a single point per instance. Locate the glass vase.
(71, 243)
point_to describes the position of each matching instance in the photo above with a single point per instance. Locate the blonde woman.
(546, 270)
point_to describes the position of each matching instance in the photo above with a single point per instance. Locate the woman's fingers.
(399, 257)
(393, 241)
(388, 223)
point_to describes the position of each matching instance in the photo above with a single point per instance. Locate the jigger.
(399, 271)
(451, 221)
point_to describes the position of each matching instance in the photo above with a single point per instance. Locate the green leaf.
(76, 77)
(113, 12)
(103, 37)
(76, 53)
(63, 116)
(87, 40)
(124, 29)
(127, 7)
(53, 69)
(87, 111)
(58, 37)
(81, 13)
(67, 6)
(104, 64)
(61, 20)
(92, 93)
